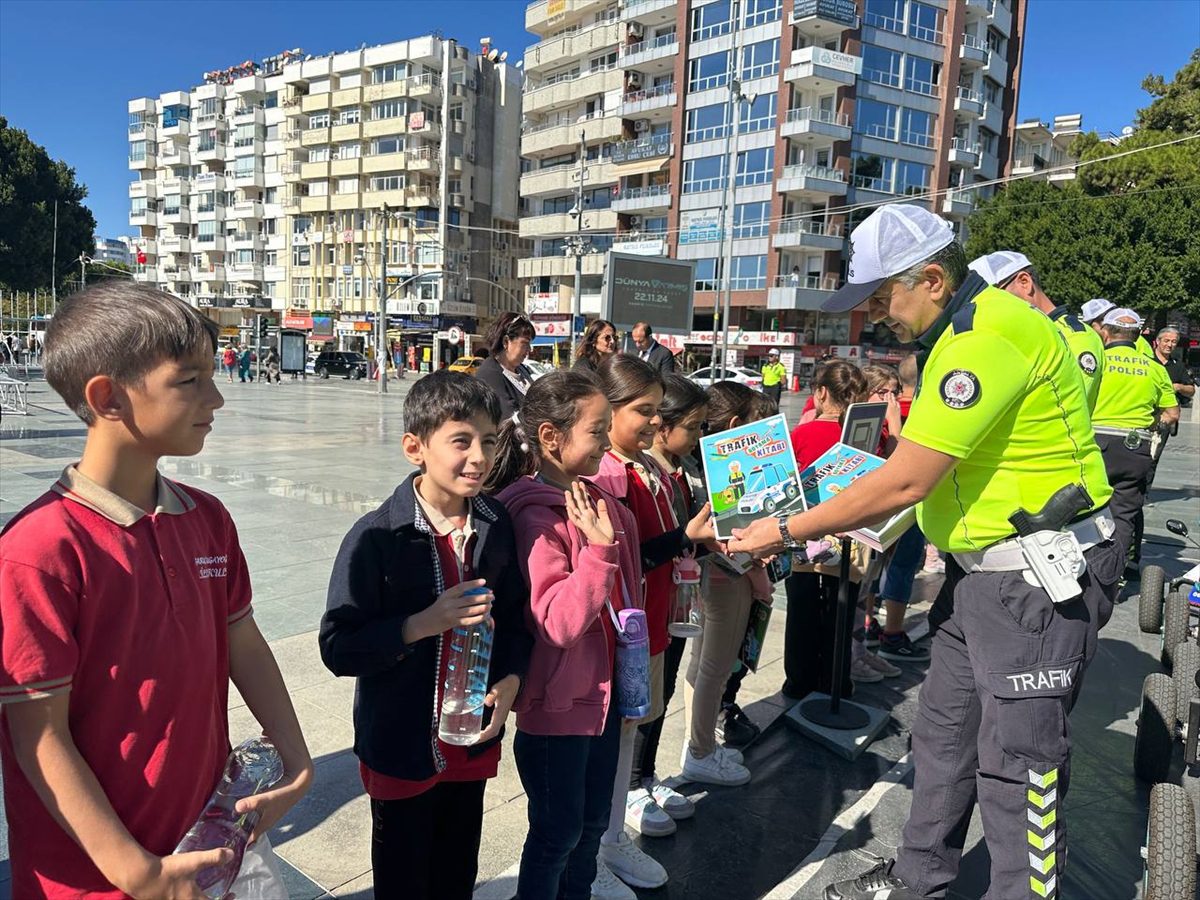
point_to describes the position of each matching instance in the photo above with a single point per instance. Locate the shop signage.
(635, 151)
(843, 11)
(642, 248)
(832, 59)
(541, 303)
(554, 326)
(304, 323)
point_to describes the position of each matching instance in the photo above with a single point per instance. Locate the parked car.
(338, 362)
(310, 361)
(752, 378)
(538, 369)
(468, 364)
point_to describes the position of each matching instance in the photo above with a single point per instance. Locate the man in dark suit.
(651, 350)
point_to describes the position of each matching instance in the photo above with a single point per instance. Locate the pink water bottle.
(686, 610)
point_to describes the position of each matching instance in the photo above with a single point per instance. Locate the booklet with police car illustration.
(751, 472)
(834, 471)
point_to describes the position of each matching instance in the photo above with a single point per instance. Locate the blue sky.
(67, 69)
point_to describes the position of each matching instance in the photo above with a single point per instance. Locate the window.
(872, 173)
(319, 120)
(655, 225)
(748, 273)
(558, 205)
(708, 275)
(881, 65)
(562, 76)
(301, 255)
(759, 115)
(917, 127)
(711, 20)
(885, 14)
(206, 109)
(137, 206)
(598, 198)
(876, 119)
(991, 92)
(171, 204)
(925, 22)
(394, 72)
(206, 201)
(911, 177)
(995, 41)
(603, 63)
(300, 289)
(137, 150)
(208, 140)
(387, 109)
(206, 232)
(707, 173)
(393, 143)
(987, 140)
(706, 72)
(243, 136)
(347, 185)
(921, 76)
(347, 151)
(760, 60)
(318, 188)
(244, 257)
(750, 219)
(349, 116)
(244, 165)
(386, 182)
(755, 166)
(760, 12)
(301, 224)
(706, 123)
(271, 195)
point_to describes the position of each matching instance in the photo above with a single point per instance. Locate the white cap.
(889, 241)
(1122, 318)
(772, 352)
(1094, 309)
(996, 268)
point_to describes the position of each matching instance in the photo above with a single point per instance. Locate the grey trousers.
(992, 727)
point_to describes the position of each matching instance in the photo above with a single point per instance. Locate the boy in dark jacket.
(398, 587)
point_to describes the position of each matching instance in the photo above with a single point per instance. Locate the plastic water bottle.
(631, 673)
(686, 611)
(253, 767)
(470, 656)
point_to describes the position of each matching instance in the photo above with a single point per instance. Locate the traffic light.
(264, 326)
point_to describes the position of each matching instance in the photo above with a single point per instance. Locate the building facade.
(819, 109)
(1040, 147)
(271, 186)
(114, 250)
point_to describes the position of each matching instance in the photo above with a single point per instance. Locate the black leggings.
(645, 742)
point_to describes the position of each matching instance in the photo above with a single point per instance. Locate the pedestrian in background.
(229, 361)
(509, 340)
(245, 359)
(773, 374)
(651, 351)
(599, 342)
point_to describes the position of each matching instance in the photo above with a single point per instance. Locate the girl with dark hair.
(599, 342)
(629, 473)
(836, 385)
(577, 550)
(509, 340)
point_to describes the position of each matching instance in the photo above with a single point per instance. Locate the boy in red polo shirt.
(398, 588)
(124, 612)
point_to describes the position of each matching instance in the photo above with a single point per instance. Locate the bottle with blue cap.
(467, 664)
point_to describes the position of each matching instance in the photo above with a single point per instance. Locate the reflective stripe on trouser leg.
(1042, 833)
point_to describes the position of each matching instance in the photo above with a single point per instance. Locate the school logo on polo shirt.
(1087, 362)
(960, 389)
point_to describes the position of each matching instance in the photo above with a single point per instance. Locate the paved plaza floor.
(298, 463)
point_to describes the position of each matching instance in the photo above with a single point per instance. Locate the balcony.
(174, 243)
(315, 103)
(560, 223)
(547, 14)
(143, 217)
(641, 199)
(958, 204)
(424, 159)
(345, 167)
(176, 215)
(143, 163)
(563, 48)
(383, 162)
(801, 291)
(251, 178)
(976, 9)
(146, 274)
(649, 50)
(815, 68)
(810, 124)
(249, 115)
(210, 213)
(245, 272)
(346, 131)
(973, 52)
(313, 170)
(968, 102)
(824, 19)
(145, 188)
(427, 85)
(568, 92)
(562, 179)
(210, 152)
(210, 243)
(209, 181)
(816, 182)
(179, 156)
(177, 128)
(639, 10)
(347, 97)
(993, 117)
(248, 209)
(249, 85)
(214, 275)
(564, 132)
(638, 103)
(139, 131)
(963, 154)
(806, 234)
(559, 266)
(385, 90)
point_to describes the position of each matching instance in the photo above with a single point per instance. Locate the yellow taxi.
(468, 364)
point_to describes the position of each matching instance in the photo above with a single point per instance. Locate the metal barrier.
(14, 394)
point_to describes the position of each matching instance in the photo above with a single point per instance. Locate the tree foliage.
(1128, 227)
(30, 183)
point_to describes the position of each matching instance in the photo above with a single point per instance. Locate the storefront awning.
(641, 166)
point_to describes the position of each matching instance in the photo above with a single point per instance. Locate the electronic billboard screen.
(649, 289)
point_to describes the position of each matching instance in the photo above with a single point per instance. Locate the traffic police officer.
(1013, 272)
(1133, 393)
(1093, 313)
(999, 424)
(773, 374)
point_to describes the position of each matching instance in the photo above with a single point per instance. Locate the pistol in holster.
(1052, 551)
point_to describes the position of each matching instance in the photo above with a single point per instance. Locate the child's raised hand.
(501, 698)
(452, 609)
(589, 517)
(701, 530)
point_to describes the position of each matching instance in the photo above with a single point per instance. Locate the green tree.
(1176, 104)
(30, 183)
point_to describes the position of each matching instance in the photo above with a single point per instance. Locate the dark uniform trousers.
(992, 727)
(1129, 474)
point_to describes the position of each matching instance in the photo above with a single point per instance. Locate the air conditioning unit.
(637, 31)
(641, 125)
(220, 117)
(635, 221)
(634, 81)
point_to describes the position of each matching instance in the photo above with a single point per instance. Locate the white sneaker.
(730, 753)
(644, 816)
(626, 860)
(670, 801)
(863, 672)
(881, 665)
(714, 769)
(608, 886)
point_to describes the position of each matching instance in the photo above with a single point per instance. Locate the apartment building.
(818, 109)
(271, 186)
(114, 250)
(1040, 147)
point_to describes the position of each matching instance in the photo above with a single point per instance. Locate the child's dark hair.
(681, 398)
(446, 396)
(728, 400)
(879, 375)
(552, 399)
(624, 378)
(845, 382)
(122, 330)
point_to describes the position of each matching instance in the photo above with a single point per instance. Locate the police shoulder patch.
(1087, 362)
(960, 389)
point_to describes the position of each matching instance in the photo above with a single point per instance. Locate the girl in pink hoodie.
(578, 552)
